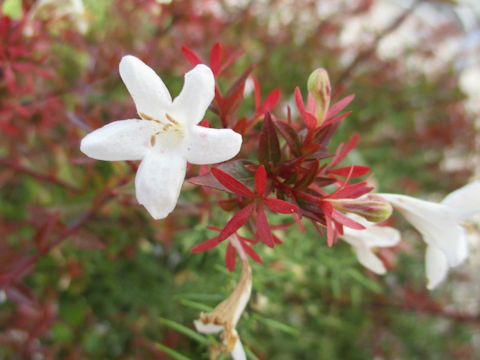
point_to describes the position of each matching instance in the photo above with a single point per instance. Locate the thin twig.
(365, 54)
(37, 175)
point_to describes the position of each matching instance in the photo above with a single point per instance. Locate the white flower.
(226, 315)
(439, 224)
(166, 137)
(366, 240)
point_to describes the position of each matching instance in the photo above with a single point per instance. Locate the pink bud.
(371, 207)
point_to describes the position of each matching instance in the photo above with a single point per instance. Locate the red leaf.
(290, 135)
(309, 176)
(357, 171)
(264, 234)
(339, 106)
(271, 100)
(343, 151)
(256, 91)
(260, 180)
(268, 145)
(230, 257)
(250, 252)
(351, 191)
(231, 183)
(236, 222)
(232, 57)
(191, 56)
(206, 245)
(299, 100)
(280, 206)
(215, 55)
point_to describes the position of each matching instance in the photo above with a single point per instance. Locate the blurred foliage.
(125, 287)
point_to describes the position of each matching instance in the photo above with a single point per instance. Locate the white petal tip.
(208, 328)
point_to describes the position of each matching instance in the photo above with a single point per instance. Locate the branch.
(365, 54)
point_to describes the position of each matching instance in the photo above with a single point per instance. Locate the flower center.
(170, 130)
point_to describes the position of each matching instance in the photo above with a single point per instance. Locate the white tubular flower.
(365, 241)
(439, 224)
(226, 315)
(166, 136)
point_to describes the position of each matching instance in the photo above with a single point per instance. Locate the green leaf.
(280, 326)
(174, 354)
(196, 305)
(13, 9)
(364, 281)
(192, 334)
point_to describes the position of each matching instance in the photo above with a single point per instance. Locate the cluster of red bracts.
(295, 174)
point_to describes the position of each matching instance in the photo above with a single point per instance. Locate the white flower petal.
(464, 201)
(208, 328)
(148, 91)
(198, 92)
(238, 353)
(210, 146)
(367, 258)
(371, 236)
(434, 221)
(436, 266)
(119, 140)
(158, 182)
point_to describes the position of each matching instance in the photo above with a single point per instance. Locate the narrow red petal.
(236, 222)
(230, 257)
(264, 234)
(280, 206)
(260, 180)
(231, 183)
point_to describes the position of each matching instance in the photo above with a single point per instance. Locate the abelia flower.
(440, 226)
(166, 136)
(226, 315)
(365, 241)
